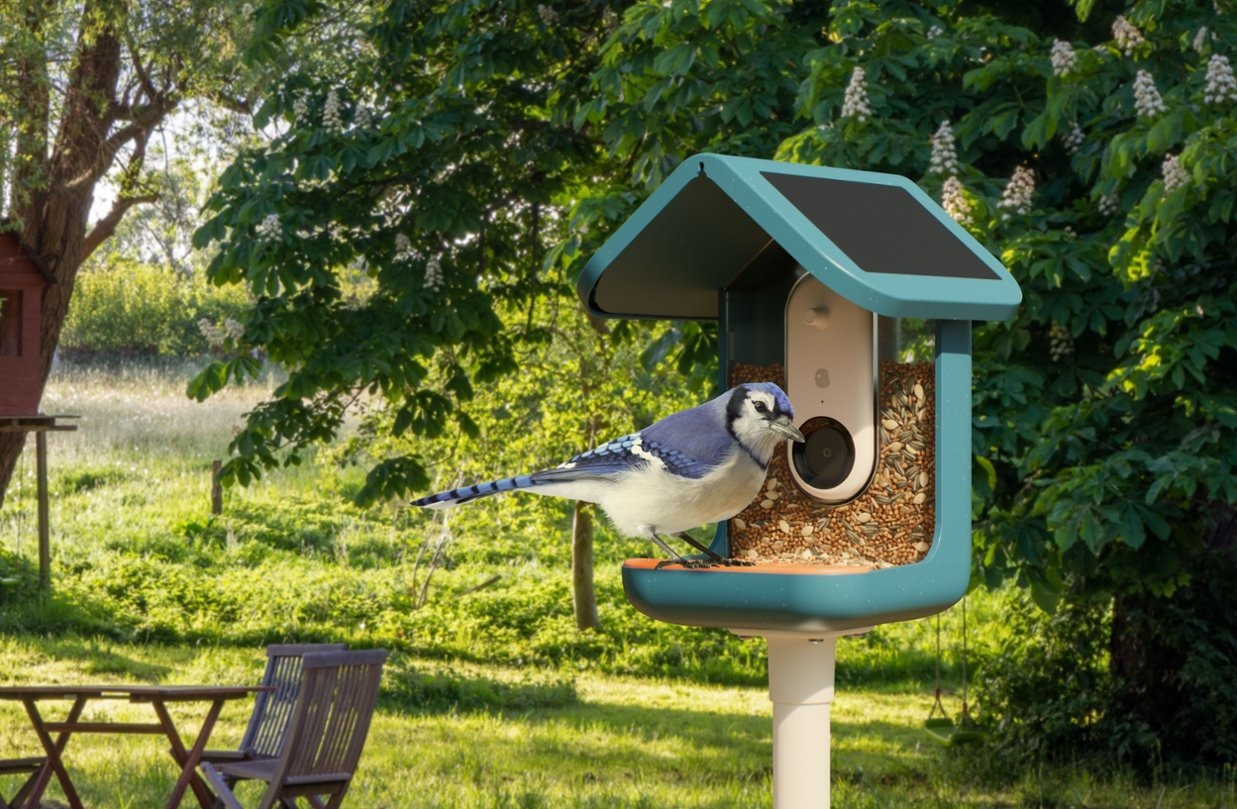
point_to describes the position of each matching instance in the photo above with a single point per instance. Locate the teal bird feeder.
(856, 292)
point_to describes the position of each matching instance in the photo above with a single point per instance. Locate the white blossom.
(1127, 35)
(1147, 100)
(233, 328)
(547, 14)
(403, 247)
(954, 201)
(1201, 38)
(332, 117)
(1109, 204)
(363, 119)
(213, 334)
(1174, 175)
(1063, 58)
(934, 32)
(1221, 86)
(1060, 342)
(269, 229)
(944, 158)
(855, 102)
(433, 274)
(1074, 138)
(300, 107)
(1016, 198)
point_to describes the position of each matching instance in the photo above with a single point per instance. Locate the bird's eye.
(761, 407)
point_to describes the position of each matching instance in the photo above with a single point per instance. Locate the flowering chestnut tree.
(401, 206)
(467, 157)
(1097, 156)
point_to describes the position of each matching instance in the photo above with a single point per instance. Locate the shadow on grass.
(408, 690)
(26, 608)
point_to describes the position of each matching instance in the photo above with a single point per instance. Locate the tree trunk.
(584, 595)
(51, 194)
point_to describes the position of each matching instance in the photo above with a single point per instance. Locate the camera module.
(827, 457)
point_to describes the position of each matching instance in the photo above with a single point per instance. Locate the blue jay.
(693, 467)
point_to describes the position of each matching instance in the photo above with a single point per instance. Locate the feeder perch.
(855, 291)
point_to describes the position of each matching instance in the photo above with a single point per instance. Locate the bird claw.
(690, 564)
(704, 564)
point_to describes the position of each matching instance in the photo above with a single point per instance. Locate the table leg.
(53, 750)
(188, 759)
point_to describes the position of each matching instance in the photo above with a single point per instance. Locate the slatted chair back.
(272, 711)
(325, 736)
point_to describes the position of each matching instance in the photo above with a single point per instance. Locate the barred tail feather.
(464, 494)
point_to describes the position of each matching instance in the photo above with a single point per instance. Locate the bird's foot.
(690, 564)
(703, 564)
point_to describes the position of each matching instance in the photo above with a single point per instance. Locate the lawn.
(491, 697)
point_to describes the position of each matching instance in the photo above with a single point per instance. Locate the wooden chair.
(18, 766)
(326, 733)
(268, 724)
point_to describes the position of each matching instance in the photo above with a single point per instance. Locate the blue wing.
(626, 454)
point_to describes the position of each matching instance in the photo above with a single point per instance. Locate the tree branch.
(106, 226)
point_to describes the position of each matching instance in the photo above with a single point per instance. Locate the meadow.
(492, 698)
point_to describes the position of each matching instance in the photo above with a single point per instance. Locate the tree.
(461, 156)
(457, 169)
(467, 158)
(1096, 156)
(83, 87)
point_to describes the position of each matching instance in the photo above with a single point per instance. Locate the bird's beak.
(782, 425)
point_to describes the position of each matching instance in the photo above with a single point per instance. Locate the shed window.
(10, 323)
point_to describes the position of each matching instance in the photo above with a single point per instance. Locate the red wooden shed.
(23, 277)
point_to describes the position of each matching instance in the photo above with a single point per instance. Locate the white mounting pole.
(801, 689)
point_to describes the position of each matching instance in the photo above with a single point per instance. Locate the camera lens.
(826, 458)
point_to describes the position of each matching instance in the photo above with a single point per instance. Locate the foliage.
(1107, 409)
(428, 166)
(467, 162)
(1043, 693)
(123, 307)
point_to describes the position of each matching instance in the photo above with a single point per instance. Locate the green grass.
(491, 698)
(483, 736)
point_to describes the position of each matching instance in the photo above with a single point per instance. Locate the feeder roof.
(876, 239)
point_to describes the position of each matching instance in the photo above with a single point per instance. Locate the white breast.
(655, 501)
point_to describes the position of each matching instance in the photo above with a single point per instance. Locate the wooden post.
(584, 594)
(216, 490)
(45, 543)
(40, 425)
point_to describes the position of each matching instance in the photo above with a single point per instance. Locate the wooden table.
(157, 696)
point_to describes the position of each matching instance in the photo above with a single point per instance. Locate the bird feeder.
(23, 277)
(855, 291)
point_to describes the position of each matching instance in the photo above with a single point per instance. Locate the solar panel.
(882, 228)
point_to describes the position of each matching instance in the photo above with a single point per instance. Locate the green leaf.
(210, 379)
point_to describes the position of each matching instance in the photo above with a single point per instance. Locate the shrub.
(129, 308)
